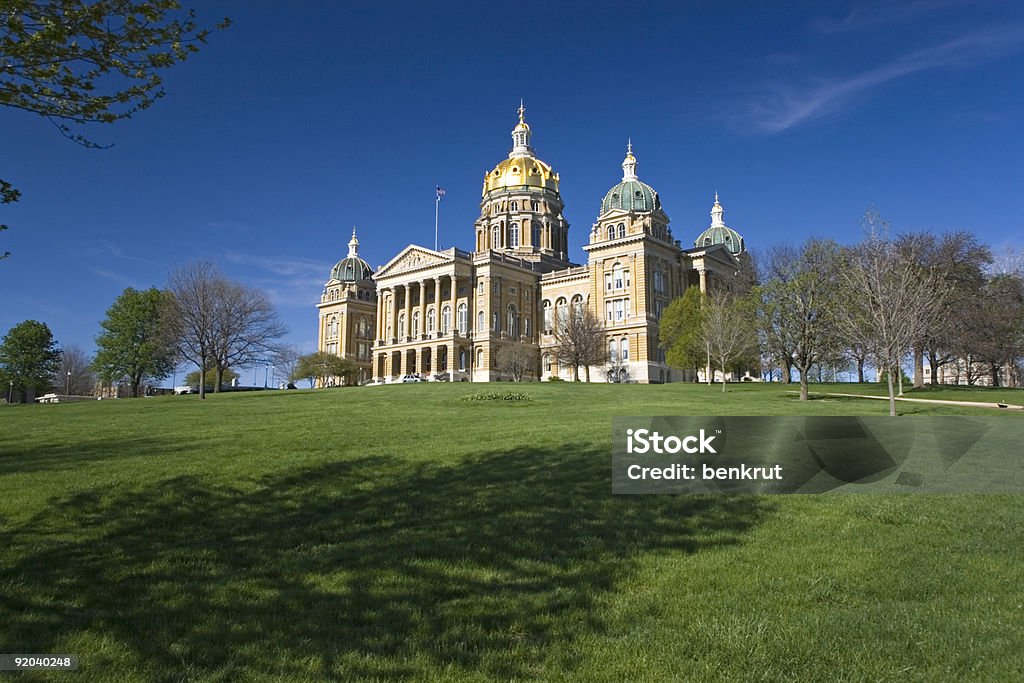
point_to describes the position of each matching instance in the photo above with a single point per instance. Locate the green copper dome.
(720, 233)
(631, 195)
(351, 269)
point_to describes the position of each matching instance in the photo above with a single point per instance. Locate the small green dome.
(351, 269)
(721, 234)
(631, 195)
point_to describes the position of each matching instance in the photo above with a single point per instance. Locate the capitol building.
(456, 314)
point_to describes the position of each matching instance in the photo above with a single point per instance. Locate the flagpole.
(437, 207)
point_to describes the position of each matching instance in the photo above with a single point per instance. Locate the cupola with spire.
(522, 168)
(720, 233)
(351, 268)
(631, 194)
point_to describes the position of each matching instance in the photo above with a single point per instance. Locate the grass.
(399, 532)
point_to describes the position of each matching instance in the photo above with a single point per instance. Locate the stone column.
(437, 305)
(703, 280)
(408, 312)
(394, 315)
(455, 294)
(423, 307)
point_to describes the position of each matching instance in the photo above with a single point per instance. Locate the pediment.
(411, 258)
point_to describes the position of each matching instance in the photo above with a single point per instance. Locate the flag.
(440, 191)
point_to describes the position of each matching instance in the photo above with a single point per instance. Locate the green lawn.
(398, 532)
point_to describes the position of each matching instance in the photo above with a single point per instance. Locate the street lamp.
(10, 392)
(67, 387)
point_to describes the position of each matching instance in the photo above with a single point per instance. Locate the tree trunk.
(899, 376)
(586, 372)
(787, 371)
(892, 396)
(202, 378)
(136, 381)
(803, 386)
(933, 363)
(860, 371)
(918, 367)
(995, 374)
(220, 379)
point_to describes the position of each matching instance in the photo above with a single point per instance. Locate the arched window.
(332, 327)
(561, 310)
(463, 321)
(624, 348)
(494, 237)
(514, 206)
(479, 358)
(546, 362)
(462, 359)
(622, 229)
(402, 330)
(513, 235)
(535, 233)
(480, 324)
(611, 232)
(548, 323)
(577, 304)
(613, 350)
(496, 321)
(430, 321)
(526, 326)
(415, 323)
(446, 319)
(513, 321)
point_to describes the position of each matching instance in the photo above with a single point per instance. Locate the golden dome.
(518, 172)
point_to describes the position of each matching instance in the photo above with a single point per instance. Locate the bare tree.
(285, 360)
(889, 301)
(796, 303)
(580, 338)
(728, 330)
(616, 369)
(74, 375)
(190, 316)
(245, 330)
(517, 360)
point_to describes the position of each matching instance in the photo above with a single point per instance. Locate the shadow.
(23, 456)
(366, 568)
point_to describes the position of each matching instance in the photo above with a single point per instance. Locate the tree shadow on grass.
(370, 567)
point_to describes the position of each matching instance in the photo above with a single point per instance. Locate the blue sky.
(306, 118)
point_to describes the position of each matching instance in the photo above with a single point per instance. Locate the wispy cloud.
(783, 106)
(884, 14)
(116, 278)
(112, 251)
(288, 281)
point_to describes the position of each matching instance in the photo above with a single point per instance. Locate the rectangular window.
(608, 281)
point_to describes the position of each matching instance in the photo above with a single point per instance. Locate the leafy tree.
(998, 325)
(7, 195)
(133, 345)
(81, 61)
(681, 331)
(579, 335)
(324, 368)
(75, 375)
(192, 378)
(29, 357)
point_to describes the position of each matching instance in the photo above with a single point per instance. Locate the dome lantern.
(351, 268)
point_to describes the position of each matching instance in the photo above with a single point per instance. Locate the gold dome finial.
(522, 110)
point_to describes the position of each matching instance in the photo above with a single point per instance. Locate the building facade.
(460, 315)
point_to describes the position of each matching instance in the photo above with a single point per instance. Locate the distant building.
(452, 312)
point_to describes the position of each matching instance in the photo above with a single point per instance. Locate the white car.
(406, 379)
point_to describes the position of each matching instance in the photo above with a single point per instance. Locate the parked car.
(406, 379)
